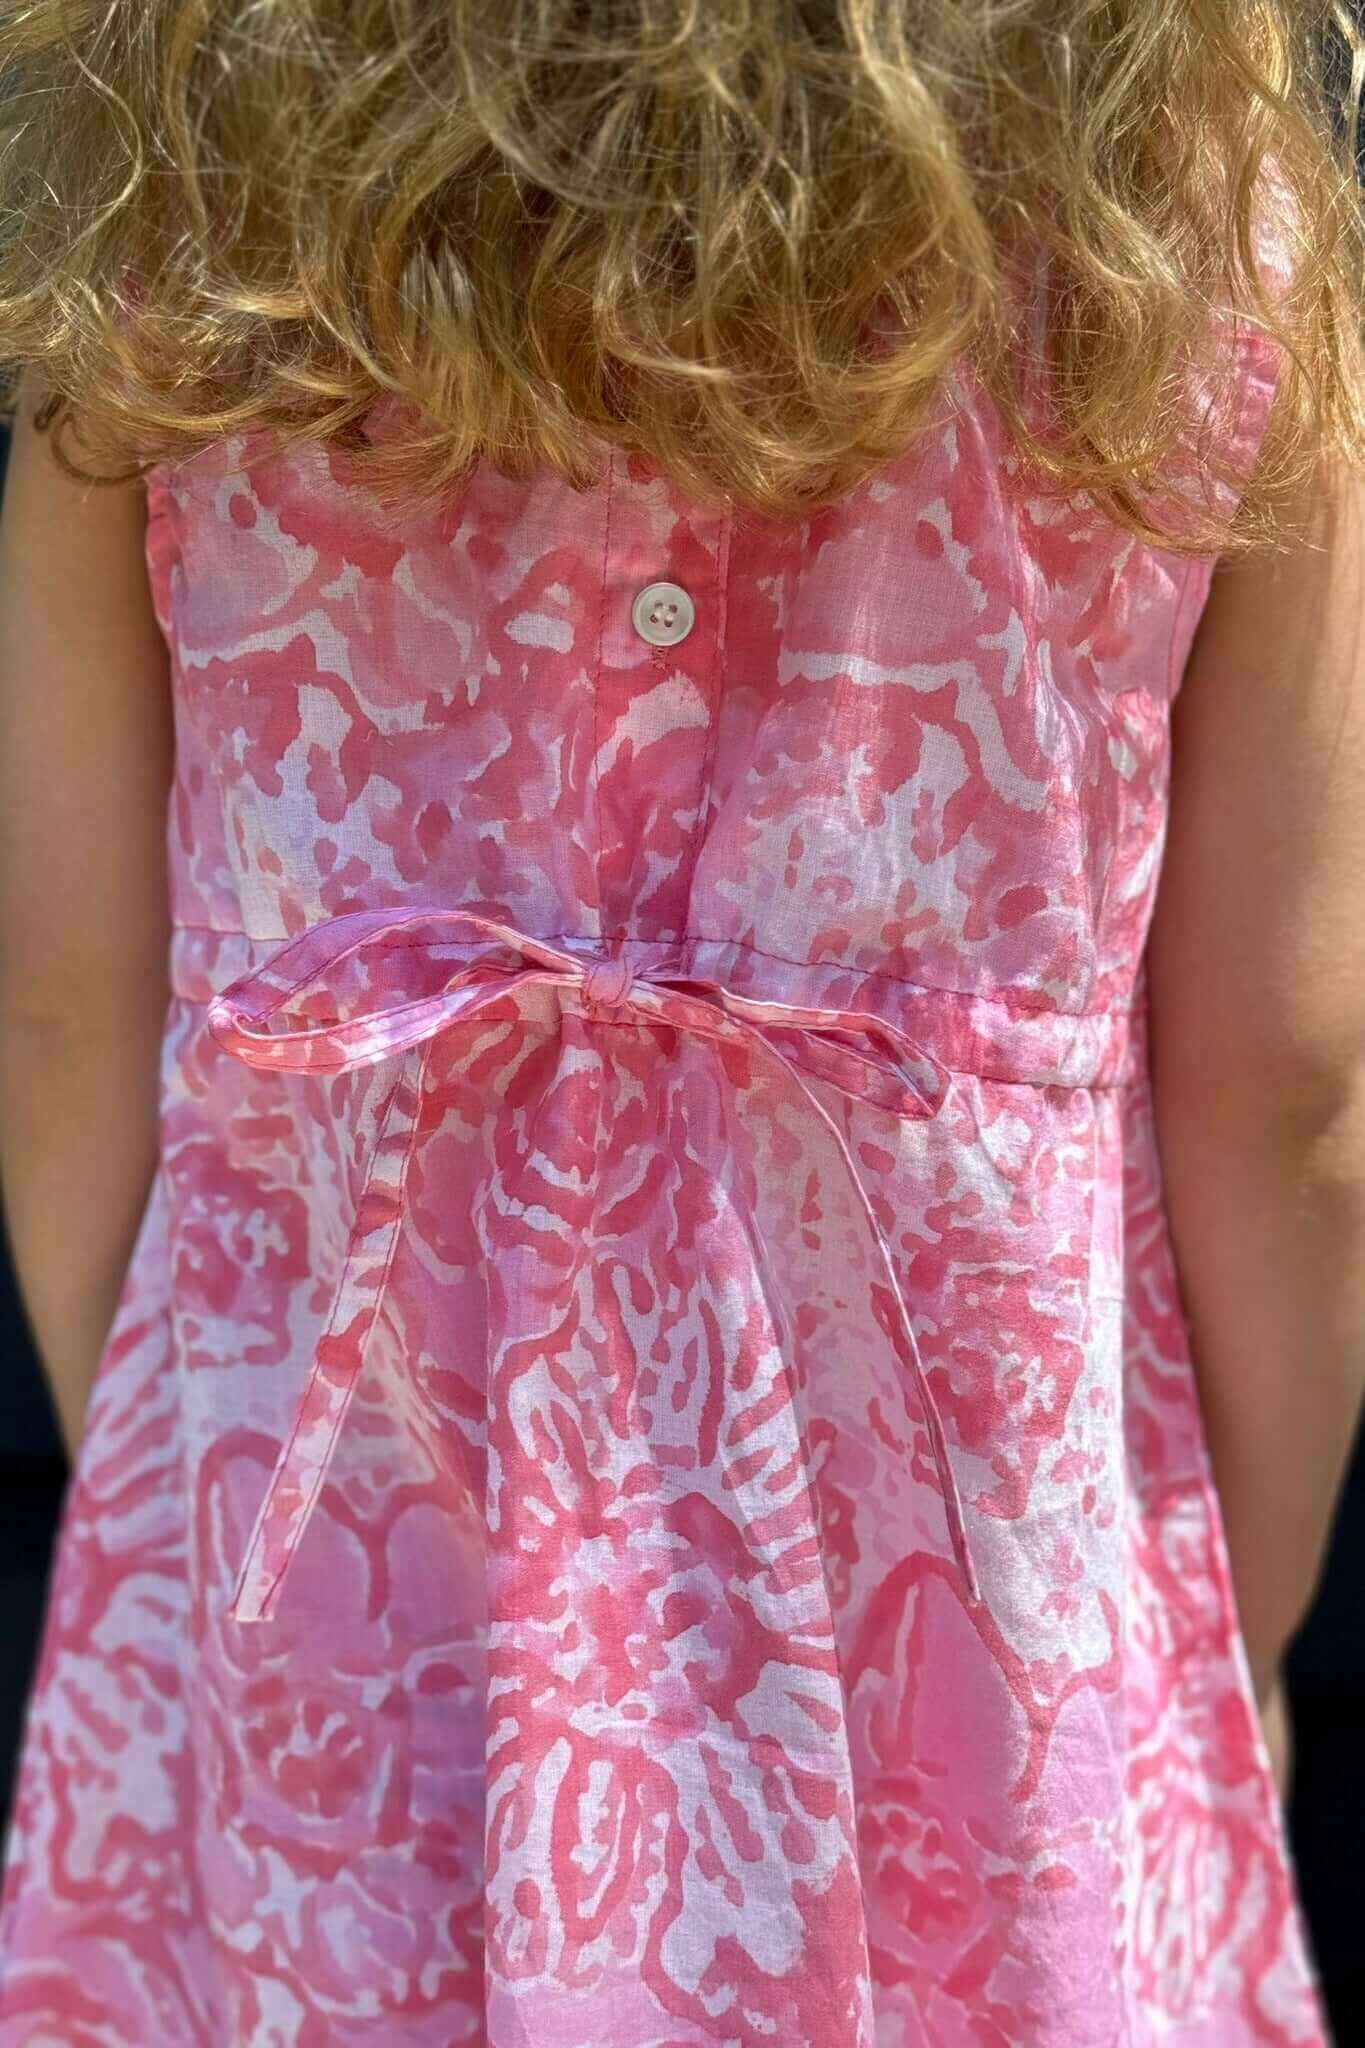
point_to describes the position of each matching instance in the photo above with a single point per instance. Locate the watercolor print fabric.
(647, 1486)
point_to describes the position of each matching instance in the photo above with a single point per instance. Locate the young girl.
(647, 1484)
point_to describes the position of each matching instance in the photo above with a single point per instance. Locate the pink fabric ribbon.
(839, 1047)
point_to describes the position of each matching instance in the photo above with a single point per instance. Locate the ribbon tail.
(304, 1461)
(929, 1408)
(947, 1478)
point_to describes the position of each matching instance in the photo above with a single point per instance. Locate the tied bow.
(835, 1046)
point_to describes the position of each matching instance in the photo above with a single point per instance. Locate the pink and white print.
(647, 1487)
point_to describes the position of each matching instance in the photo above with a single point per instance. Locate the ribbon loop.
(860, 1057)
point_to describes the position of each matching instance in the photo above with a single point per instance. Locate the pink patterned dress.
(647, 1488)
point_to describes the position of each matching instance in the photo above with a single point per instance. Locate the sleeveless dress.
(647, 1488)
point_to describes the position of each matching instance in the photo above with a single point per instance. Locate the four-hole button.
(663, 614)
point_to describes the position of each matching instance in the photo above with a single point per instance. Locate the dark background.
(1326, 1665)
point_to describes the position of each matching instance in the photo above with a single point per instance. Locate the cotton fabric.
(648, 1134)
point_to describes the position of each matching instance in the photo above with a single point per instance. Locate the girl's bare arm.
(1257, 966)
(85, 758)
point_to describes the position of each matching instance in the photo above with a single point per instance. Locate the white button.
(664, 614)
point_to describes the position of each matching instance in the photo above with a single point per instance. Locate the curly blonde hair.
(747, 239)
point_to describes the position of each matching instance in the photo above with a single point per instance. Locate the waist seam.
(980, 1071)
(1012, 1003)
